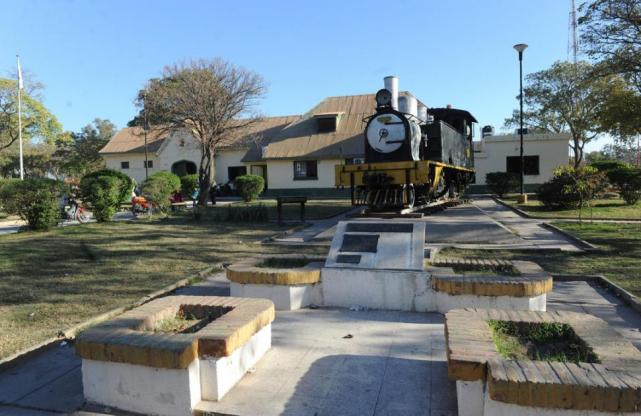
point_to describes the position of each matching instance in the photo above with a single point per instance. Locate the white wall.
(280, 175)
(225, 159)
(552, 149)
(136, 164)
(179, 147)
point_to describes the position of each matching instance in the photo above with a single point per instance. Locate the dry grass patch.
(51, 281)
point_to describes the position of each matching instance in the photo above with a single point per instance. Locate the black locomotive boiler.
(414, 156)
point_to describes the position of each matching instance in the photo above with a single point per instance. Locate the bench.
(281, 200)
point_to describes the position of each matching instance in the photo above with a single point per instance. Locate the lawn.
(600, 208)
(314, 209)
(51, 281)
(620, 259)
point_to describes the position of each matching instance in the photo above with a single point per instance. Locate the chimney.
(391, 84)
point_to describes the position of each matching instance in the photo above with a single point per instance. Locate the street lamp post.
(520, 48)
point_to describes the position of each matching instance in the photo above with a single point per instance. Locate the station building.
(542, 153)
(296, 154)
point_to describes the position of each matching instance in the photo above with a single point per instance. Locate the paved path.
(482, 224)
(393, 363)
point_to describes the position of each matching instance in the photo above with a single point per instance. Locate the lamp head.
(520, 47)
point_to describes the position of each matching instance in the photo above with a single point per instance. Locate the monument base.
(446, 302)
(377, 289)
(285, 297)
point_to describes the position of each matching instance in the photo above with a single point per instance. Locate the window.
(354, 161)
(150, 163)
(305, 169)
(326, 124)
(530, 165)
(124, 165)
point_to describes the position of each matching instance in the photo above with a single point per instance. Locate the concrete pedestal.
(170, 392)
(285, 297)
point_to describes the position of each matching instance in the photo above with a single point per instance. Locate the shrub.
(189, 185)
(252, 213)
(103, 194)
(502, 182)
(35, 200)
(570, 187)
(628, 180)
(126, 183)
(249, 186)
(159, 187)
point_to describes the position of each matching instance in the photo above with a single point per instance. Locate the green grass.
(51, 281)
(544, 341)
(620, 259)
(314, 209)
(600, 208)
(485, 270)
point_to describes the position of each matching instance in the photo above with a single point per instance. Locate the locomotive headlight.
(383, 98)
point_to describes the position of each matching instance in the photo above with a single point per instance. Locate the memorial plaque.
(360, 243)
(379, 227)
(384, 245)
(348, 258)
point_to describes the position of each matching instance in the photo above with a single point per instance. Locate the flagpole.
(20, 117)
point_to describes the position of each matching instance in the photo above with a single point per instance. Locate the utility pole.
(145, 127)
(20, 86)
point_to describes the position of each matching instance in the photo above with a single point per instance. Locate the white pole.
(20, 117)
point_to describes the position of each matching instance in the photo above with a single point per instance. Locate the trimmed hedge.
(502, 183)
(249, 186)
(37, 201)
(103, 194)
(159, 188)
(126, 183)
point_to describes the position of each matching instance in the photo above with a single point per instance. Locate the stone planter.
(288, 287)
(127, 366)
(525, 291)
(490, 385)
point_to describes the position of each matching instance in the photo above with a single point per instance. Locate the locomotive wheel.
(411, 196)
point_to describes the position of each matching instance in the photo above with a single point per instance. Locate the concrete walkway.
(482, 224)
(323, 362)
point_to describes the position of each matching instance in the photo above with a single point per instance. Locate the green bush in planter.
(249, 186)
(571, 188)
(37, 201)
(628, 180)
(502, 183)
(159, 187)
(189, 185)
(102, 194)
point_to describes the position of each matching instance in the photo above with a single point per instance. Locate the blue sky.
(93, 56)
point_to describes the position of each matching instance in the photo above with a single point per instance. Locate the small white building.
(542, 152)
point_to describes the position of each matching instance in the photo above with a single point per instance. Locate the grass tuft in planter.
(541, 341)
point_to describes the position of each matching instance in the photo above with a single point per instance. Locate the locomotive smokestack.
(391, 84)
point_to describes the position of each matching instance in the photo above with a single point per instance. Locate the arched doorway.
(183, 167)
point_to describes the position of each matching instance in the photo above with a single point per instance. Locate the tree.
(37, 121)
(212, 100)
(611, 34)
(81, 156)
(566, 98)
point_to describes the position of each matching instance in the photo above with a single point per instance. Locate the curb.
(627, 297)
(582, 244)
(68, 334)
(289, 231)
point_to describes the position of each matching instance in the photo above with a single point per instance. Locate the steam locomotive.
(414, 156)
